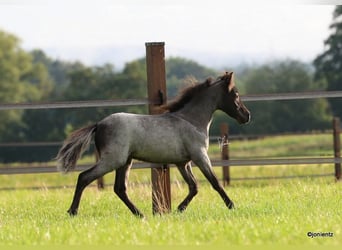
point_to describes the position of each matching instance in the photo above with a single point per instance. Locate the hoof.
(181, 209)
(230, 205)
(139, 215)
(72, 212)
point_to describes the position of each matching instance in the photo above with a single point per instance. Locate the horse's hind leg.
(186, 172)
(84, 179)
(120, 187)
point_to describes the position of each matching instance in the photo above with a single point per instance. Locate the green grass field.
(281, 213)
(267, 211)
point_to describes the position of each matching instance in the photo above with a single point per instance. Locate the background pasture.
(267, 211)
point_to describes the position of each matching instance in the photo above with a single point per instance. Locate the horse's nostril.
(248, 118)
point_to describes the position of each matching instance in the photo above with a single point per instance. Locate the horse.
(179, 136)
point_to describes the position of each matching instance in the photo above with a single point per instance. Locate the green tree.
(58, 72)
(329, 64)
(285, 116)
(20, 81)
(178, 69)
(49, 124)
(103, 83)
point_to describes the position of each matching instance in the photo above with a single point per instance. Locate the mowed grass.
(301, 145)
(267, 211)
(281, 212)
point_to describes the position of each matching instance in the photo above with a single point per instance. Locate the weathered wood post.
(337, 147)
(225, 153)
(156, 86)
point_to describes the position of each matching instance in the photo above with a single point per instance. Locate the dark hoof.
(181, 209)
(141, 216)
(230, 205)
(72, 212)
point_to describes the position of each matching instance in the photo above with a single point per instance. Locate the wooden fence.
(336, 160)
(225, 162)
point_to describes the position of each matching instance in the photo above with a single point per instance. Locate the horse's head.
(230, 103)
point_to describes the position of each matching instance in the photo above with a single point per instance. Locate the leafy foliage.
(286, 116)
(329, 64)
(178, 70)
(20, 81)
(281, 116)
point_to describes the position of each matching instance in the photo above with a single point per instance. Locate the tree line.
(32, 76)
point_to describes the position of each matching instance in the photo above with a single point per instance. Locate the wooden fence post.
(337, 147)
(225, 152)
(156, 86)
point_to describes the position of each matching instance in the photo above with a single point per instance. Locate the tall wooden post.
(156, 86)
(337, 147)
(225, 152)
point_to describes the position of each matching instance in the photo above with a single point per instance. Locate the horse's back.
(152, 138)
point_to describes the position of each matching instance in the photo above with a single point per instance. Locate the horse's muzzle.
(244, 118)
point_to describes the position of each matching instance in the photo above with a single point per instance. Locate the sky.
(216, 33)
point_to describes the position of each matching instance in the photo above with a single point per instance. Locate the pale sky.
(214, 32)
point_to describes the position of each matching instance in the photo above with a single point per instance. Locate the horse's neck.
(198, 112)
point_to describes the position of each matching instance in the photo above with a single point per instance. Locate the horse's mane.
(186, 95)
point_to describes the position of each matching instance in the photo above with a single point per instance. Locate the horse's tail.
(73, 147)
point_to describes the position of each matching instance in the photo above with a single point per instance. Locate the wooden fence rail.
(336, 151)
(40, 168)
(137, 102)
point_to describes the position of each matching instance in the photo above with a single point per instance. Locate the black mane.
(185, 96)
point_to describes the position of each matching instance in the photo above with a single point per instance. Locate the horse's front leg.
(204, 164)
(186, 172)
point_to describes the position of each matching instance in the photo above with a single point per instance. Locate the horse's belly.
(160, 153)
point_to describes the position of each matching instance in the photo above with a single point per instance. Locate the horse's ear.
(231, 82)
(209, 81)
